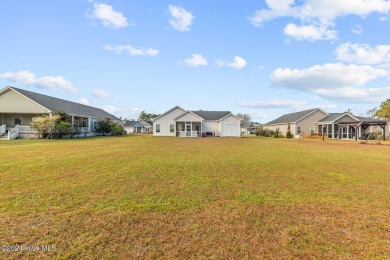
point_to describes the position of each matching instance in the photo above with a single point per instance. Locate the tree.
(384, 110)
(44, 125)
(146, 116)
(117, 129)
(245, 118)
(349, 111)
(104, 126)
(288, 133)
(371, 112)
(63, 125)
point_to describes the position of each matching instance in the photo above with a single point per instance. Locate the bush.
(289, 134)
(117, 129)
(104, 126)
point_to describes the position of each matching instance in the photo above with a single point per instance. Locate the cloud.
(111, 109)
(358, 29)
(334, 81)
(330, 75)
(196, 60)
(83, 101)
(101, 93)
(359, 95)
(108, 16)
(238, 63)
(309, 32)
(181, 19)
(118, 49)
(275, 103)
(47, 82)
(363, 53)
(318, 12)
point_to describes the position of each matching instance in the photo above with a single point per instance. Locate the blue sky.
(264, 58)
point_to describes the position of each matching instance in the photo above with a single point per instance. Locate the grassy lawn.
(145, 197)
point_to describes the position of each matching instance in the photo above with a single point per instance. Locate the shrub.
(277, 133)
(104, 126)
(117, 129)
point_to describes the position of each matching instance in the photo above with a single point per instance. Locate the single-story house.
(348, 126)
(249, 127)
(301, 123)
(185, 123)
(19, 106)
(143, 126)
(333, 125)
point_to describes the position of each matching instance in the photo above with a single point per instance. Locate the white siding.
(230, 126)
(188, 117)
(210, 126)
(165, 121)
(13, 102)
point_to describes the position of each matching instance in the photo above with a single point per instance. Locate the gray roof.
(332, 117)
(73, 108)
(291, 118)
(129, 123)
(211, 115)
(249, 125)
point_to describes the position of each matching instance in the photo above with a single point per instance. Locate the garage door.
(232, 130)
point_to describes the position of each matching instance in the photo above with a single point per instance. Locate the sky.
(263, 58)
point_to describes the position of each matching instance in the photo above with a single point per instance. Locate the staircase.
(4, 137)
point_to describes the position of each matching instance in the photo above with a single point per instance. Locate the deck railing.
(188, 134)
(3, 129)
(25, 129)
(13, 133)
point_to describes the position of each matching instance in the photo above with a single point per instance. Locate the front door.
(188, 129)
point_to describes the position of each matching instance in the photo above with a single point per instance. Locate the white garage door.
(231, 129)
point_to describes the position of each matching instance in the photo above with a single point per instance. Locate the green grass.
(144, 197)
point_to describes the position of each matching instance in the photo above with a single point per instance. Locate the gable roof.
(173, 108)
(333, 117)
(211, 115)
(129, 123)
(249, 124)
(54, 104)
(293, 117)
(190, 112)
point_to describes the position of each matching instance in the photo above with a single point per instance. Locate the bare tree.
(245, 118)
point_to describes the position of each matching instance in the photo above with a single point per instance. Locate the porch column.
(201, 129)
(332, 131)
(347, 131)
(72, 120)
(89, 124)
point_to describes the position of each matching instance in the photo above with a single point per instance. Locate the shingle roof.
(55, 104)
(248, 124)
(331, 117)
(291, 118)
(129, 123)
(211, 115)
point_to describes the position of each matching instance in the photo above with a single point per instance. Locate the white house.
(185, 123)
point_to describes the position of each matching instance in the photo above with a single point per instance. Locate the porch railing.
(3, 129)
(13, 133)
(188, 133)
(25, 129)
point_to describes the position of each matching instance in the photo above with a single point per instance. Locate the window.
(299, 130)
(172, 128)
(17, 121)
(94, 125)
(312, 130)
(157, 128)
(183, 127)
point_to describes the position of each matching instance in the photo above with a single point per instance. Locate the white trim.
(188, 111)
(10, 88)
(231, 114)
(168, 112)
(318, 109)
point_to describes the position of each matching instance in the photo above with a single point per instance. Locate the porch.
(189, 129)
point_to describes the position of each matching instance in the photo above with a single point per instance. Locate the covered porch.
(189, 129)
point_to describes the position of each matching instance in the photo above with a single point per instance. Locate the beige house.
(333, 125)
(18, 107)
(301, 123)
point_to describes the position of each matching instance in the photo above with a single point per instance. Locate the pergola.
(364, 125)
